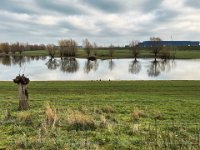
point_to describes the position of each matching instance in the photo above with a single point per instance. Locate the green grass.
(106, 113)
(188, 54)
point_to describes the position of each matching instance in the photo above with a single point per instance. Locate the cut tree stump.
(22, 83)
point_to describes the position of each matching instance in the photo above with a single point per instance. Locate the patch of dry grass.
(137, 114)
(25, 116)
(80, 121)
(51, 115)
(106, 109)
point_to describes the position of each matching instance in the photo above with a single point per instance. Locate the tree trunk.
(23, 97)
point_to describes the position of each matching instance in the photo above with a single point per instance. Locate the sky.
(105, 22)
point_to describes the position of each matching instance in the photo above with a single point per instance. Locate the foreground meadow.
(102, 115)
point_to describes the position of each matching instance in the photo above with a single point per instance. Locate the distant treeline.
(69, 47)
(19, 47)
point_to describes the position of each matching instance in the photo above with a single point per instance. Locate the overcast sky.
(102, 21)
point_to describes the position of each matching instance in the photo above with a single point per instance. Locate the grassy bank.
(121, 53)
(101, 115)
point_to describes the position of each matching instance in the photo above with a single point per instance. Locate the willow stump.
(22, 83)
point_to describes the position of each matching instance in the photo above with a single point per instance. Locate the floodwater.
(44, 69)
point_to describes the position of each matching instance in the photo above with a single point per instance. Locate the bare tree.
(5, 47)
(156, 46)
(68, 48)
(134, 47)
(165, 53)
(14, 48)
(168, 52)
(51, 50)
(87, 47)
(111, 50)
(95, 48)
(21, 48)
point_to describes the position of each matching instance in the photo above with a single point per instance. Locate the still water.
(44, 68)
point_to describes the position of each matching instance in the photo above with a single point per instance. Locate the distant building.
(169, 43)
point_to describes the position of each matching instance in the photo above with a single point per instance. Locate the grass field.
(102, 115)
(121, 53)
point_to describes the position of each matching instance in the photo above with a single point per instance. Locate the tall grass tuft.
(7, 114)
(79, 121)
(51, 116)
(25, 116)
(137, 114)
(105, 109)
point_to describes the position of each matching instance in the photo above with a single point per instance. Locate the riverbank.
(120, 53)
(107, 114)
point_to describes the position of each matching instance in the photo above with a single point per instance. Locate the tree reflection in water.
(18, 60)
(91, 65)
(69, 64)
(111, 65)
(5, 60)
(52, 64)
(156, 67)
(135, 67)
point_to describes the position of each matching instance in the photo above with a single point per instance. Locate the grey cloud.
(163, 23)
(150, 5)
(120, 6)
(193, 3)
(110, 6)
(164, 15)
(56, 6)
(16, 7)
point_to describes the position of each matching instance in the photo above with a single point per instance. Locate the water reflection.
(19, 60)
(41, 68)
(111, 65)
(168, 64)
(69, 65)
(135, 67)
(91, 65)
(52, 64)
(5, 60)
(156, 67)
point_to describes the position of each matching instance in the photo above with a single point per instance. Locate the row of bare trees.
(13, 48)
(68, 48)
(158, 50)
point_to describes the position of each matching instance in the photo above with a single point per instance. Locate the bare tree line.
(13, 48)
(69, 47)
